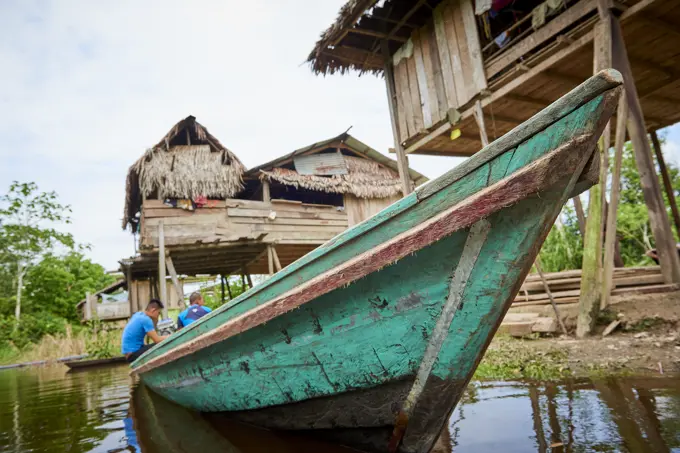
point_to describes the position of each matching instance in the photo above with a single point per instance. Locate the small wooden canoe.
(81, 364)
(373, 336)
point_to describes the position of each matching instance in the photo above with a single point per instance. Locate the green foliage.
(56, 284)
(212, 293)
(102, 343)
(563, 247)
(30, 329)
(25, 233)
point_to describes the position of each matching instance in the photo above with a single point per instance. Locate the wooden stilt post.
(402, 159)
(591, 280)
(610, 232)
(668, 186)
(580, 215)
(277, 262)
(163, 289)
(229, 288)
(250, 280)
(222, 287)
(658, 218)
(479, 118)
(243, 282)
(175, 281)
(270, 260)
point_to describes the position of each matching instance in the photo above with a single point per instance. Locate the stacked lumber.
(565, 286)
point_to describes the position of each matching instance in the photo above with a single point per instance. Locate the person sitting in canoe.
(196, 310)
(141, 325)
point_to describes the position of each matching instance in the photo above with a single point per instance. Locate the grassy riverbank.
(102, 344)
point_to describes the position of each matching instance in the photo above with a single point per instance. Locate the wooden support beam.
(668, 186)
(537, 263)
(163, 289)
(376, 34)
(277, 262)
(610, 231)
(580, 215)
(566, 78)
(270, 260)
(222, 287)
(652, 66)
(663, 236)
(402, 159)
(175, 280)
(479, 118)
(229, 288)
(266, 194)
(591, 280)
(88, 307)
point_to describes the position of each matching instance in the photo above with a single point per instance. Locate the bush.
(31, 328)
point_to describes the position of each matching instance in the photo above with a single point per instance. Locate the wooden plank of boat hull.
(574, 123)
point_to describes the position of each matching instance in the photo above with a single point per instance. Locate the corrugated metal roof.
(325, 164)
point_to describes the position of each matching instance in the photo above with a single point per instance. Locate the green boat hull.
(373, 337)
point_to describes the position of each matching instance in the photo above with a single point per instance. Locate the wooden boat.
(373, 336)
(81, 364)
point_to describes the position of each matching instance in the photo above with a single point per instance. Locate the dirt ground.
(647, 339)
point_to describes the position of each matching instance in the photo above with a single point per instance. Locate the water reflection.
(48, 410)
(633, 414)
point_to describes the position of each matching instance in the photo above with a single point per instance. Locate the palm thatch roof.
(353, 41)
(370, 174)
(187, 162)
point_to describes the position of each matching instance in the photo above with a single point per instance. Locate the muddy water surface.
(49, 410)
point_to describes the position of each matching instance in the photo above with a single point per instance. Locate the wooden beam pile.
(565, 286)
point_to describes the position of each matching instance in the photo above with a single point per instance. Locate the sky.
(87, 86)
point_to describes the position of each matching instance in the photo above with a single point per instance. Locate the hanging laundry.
(544, 10)
(200, 201)
(502, 39)
(185, 204)
(482, 6)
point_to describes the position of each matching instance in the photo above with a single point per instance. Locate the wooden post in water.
(402, 159)
(658, 218)
(610, 232)
(667, 184)
(163, 289)
(591, 279)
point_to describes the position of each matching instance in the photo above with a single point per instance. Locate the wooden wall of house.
(278, 221)
(359, 209)
(438, 69)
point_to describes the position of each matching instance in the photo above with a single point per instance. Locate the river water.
(46, 409)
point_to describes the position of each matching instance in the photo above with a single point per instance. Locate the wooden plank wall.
(360, 209)
(438, 69)
(280, 221)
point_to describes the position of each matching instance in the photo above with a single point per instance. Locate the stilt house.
(195, 210)
(460, 73)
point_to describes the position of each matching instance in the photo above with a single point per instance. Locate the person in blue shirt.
(195, 311)
(140, 326)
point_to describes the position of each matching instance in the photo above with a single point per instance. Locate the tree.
(57, 283)
(25, 235)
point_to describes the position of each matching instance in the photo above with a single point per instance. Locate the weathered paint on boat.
(375, 334)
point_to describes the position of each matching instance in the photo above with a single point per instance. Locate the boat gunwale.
(590, 89)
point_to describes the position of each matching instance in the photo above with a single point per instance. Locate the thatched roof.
(353, 41)
(187, 162)
(370, 174)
